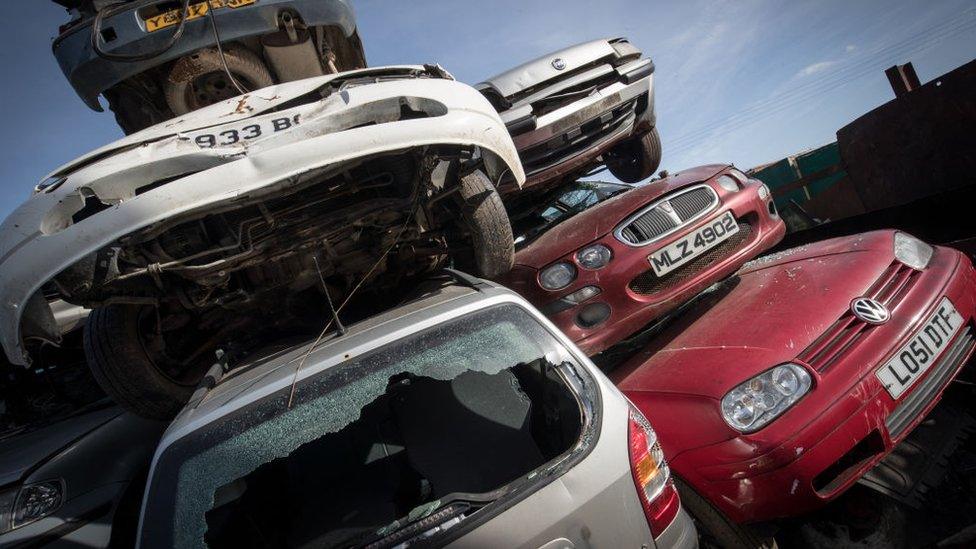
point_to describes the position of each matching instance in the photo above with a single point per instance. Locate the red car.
(602, 260)
(778, 390)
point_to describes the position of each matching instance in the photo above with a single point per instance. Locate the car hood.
(21, 453)
(766, 315)
(542, 69)
(599, 220)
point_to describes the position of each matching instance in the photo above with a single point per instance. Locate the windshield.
(538, 214)
(199, 474)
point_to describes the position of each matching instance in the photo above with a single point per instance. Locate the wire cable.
(294, 381)
(220, 49)
(799, 94)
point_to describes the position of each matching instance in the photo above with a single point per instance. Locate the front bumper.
(632, 310)
(39, 240)
(804, 466)
(91, 75)
(570, 138)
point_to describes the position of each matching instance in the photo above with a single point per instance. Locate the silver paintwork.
(715, 202)
(594, 503)
(541, 69)
(549, 75)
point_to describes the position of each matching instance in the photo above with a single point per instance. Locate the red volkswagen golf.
(602, 260)
(778, 390)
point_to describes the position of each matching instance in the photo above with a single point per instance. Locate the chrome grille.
(844, 334)
(647, 226)
(691, 203)
(667, 215)
(916, 401)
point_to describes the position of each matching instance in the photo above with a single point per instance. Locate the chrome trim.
(619, 229)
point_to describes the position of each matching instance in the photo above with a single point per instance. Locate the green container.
(818, 160)
(779, 174)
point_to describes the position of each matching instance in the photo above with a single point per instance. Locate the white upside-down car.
(234, 219)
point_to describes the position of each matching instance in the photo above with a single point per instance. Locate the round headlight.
(728, 183)
(912, 251)
(753, 404)
(557, 276)
(594, 257)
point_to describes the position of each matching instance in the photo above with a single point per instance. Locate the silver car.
(460, 418)
(574, 109)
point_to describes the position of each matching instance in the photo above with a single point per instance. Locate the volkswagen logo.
(870, 310)
(558, 64)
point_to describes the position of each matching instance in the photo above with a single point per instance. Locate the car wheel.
(635, 159)
(117, 351)
(714, 528)
(492, 247)
(199, 79)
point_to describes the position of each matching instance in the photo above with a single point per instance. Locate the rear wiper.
(419, 526)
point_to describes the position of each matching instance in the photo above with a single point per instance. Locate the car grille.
(655, 222)
(922, 395)
(648, 283)
(575, 140)
(842, 336)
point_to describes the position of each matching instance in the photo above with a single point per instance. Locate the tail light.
(655, 488)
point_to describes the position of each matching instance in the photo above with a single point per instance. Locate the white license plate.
(685, 249)
(914, 358)
(248, 130)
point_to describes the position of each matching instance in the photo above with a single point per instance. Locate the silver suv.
(462, 417)
(580, 107)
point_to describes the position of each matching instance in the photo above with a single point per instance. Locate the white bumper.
(38, 240)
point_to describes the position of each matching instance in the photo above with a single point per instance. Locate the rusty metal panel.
(919, 145)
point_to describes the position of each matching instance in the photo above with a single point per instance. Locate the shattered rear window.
(199, 465)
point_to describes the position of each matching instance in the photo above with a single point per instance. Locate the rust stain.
(242, 106)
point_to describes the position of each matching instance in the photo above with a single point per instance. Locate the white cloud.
(815, 68)
(850, 48)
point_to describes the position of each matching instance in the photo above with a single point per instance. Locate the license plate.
(915, 357)
(245, 131)
(195, 11)
(689, 247)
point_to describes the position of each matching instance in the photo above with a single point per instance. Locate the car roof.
(274, 369)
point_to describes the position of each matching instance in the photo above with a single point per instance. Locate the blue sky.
(745, 81)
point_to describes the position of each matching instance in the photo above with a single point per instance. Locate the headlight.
(728, 183)
(7, 500)
(755, 403)
(37, 501)
(912, 251)
(557, 276)
(30, 503)
(594, 257)
(763, 192)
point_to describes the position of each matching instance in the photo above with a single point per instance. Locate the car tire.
(248, 70)
(486, 222)
(635, 159)
(124, 369)
(714, 528)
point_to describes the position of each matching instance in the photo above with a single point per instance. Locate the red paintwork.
(772, 312)
(632, 311)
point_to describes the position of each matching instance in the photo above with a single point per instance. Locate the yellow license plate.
(196, 11)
